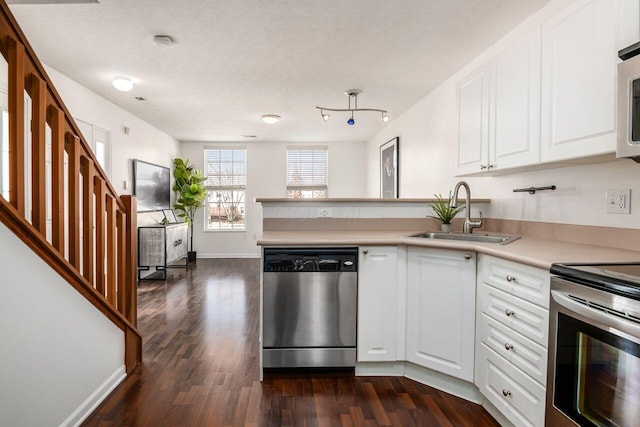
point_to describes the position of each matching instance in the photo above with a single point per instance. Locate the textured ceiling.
(235, 60)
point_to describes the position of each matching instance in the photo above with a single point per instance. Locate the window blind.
(307, 168)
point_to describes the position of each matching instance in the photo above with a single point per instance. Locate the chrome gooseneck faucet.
(468, 224)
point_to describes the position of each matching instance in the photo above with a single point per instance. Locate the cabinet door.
(579, 57)
(176, 242)
(377, 293)
(515, 105)
(473, 122)
(441, 310)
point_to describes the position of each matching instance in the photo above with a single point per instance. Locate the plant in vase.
(444, 212)
(188, 182)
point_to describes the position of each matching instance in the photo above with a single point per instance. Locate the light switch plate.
(618, 201)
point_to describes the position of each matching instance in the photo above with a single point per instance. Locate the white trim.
(91, 403)
(495, 413)
(448, 384)
(257, 256)
(379, 369)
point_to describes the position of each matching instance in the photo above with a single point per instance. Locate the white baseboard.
(495, 413)
(457, 387)
(379, 369)
(88, 406)
(228, 255)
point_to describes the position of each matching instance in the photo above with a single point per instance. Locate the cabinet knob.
(509, 313)
(467, 256)
(506, 393)
(491, 166)
(365, 251)
(508, 346)
(510, 278)
(483, 167)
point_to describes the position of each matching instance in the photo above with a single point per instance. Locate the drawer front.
(528, 283)
(517, 349)
(176, 243)
(515, 394)
(530, 320)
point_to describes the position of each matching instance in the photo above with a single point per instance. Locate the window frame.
(210, 188)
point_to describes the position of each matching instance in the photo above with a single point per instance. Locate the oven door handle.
(603, 320)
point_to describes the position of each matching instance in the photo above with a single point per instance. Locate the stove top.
(618, 278)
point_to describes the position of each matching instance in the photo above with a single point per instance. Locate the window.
(307, 173)
(226, 183)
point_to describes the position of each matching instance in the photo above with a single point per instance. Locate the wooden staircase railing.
(90, 237)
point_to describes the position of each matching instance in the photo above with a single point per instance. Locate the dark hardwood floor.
(200, 368)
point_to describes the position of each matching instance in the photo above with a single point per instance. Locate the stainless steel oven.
(594, 346)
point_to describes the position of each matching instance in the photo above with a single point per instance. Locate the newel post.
(131, 262)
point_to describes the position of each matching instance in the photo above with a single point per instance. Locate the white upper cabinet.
(550, 95)
(515, 105)
(499, 110)
(473, 122)
(579, 57)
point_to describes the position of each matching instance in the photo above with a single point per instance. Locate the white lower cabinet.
(377, 303)
(512, 337)
(515, 394)
(440, 310)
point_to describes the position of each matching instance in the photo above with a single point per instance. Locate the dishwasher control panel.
(321, 259)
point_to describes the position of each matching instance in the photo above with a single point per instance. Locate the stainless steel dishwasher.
(309, 307)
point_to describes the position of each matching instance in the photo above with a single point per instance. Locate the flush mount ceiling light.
(164, 41)
(123, 84)
(352, 94)
(270, 118)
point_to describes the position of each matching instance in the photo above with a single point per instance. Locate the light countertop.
(526, 250)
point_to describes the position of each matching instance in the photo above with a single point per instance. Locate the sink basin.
(479, 237)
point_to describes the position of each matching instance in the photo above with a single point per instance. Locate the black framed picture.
(151, 186)
(389, 169)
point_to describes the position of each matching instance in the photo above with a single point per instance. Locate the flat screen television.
(151, 186)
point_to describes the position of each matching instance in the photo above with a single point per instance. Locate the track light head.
(351, 122)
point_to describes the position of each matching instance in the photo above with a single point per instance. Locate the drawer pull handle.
(508, 346)
(177, 242)
(365, 251)
(506, 393)
(467, 256)
(510, 278)
(509, 313)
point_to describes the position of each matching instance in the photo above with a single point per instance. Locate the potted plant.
(444, 212)
(188, 182)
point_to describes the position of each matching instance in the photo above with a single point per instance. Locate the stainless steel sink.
(476, 237)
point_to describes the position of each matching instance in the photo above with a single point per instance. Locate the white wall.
(143, 142)
(428, 150)
(56, 349)
(266, 169)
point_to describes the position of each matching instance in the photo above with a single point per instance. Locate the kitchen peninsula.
(431, 309)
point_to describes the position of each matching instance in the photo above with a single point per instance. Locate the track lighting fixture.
(352, 94)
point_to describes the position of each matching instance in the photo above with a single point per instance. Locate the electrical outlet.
(324, 213)
(618, 201)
